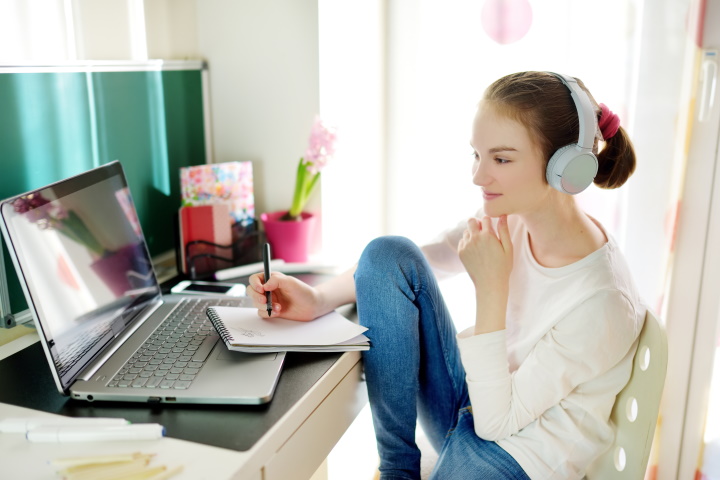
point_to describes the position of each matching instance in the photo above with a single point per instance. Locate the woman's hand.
(291, 298)
(488, 259)
(486, 255)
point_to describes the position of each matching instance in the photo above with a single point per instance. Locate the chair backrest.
(636, 409)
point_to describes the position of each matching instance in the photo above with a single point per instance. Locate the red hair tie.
(608, 122)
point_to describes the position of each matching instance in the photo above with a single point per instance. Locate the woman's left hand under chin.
(487, 255)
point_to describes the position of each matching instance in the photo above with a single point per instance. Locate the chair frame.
(636, 408)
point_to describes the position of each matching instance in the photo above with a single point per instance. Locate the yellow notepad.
(243, 330)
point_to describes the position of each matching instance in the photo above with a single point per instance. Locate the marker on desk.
(62, 434)
(24, 424)
(266, 265)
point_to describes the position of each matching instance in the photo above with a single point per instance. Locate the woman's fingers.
(504, 234)
(256, 282)
(487, 225)
(259, 287)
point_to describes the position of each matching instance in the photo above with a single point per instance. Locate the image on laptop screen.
(82, 255)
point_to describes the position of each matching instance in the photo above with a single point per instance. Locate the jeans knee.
(389, 253)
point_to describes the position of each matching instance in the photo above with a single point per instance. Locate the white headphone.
(573, 167)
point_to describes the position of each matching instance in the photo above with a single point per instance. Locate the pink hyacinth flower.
(321, 146)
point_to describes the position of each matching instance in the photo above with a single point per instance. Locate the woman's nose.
(480, 174)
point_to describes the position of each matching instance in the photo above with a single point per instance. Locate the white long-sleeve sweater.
(544, 387)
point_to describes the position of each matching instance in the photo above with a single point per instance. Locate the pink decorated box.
(228, 183)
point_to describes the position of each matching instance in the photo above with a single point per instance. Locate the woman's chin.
(493, 212)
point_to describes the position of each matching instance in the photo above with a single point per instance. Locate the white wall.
(263, 62)
(172, 31)
(102, 29)
(264, 85)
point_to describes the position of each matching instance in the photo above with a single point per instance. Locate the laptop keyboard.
(174, 354)
(79, 346)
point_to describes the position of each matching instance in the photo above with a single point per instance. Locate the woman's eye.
(475, 155)
(501, 160)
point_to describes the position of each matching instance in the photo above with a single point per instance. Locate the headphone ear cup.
(571, 170)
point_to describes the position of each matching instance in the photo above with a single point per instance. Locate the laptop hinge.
(95, 365)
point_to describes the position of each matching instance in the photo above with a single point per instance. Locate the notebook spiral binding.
(219, 327)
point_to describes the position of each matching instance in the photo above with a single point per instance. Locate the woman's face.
(507, 164)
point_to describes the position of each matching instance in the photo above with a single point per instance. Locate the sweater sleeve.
(585, 343)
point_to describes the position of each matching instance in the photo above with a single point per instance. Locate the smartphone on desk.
(195, 287)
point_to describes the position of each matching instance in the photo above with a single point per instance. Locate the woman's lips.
(491, 196)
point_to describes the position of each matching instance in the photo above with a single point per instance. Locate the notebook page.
(247, 328)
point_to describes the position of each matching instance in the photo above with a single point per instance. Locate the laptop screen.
(84, 262)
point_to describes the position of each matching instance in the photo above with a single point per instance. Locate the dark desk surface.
(26, 381)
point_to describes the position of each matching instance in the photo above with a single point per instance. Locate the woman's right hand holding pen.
(291, 298)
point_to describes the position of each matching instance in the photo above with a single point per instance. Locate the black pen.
(266, 264)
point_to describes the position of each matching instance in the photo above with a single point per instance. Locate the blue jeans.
(414, 372)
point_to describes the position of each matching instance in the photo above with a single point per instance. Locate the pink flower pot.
(289, 239)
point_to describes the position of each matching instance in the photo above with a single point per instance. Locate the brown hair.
(542, 103)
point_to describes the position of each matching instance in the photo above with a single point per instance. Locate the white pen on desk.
(137, 431)
(23, 424)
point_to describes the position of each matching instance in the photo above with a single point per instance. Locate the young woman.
(527, 392)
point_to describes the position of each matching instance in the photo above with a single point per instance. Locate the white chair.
(636, 409)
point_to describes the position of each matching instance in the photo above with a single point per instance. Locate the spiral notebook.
(243, 330)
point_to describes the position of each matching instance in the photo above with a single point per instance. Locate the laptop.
(107, 331)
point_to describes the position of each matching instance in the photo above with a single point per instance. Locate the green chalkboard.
(58, 122)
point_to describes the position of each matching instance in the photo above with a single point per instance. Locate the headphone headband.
(586, 114)
(572, 168)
